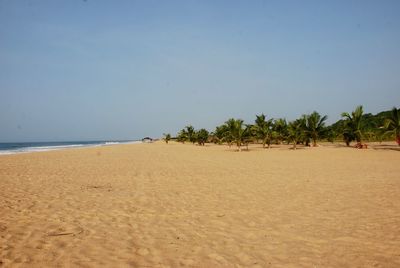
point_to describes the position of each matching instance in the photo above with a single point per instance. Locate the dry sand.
(157, 205)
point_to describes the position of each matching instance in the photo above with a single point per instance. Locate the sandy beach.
(158, 205)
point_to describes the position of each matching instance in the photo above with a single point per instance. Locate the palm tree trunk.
(294, 145)
(398, 139)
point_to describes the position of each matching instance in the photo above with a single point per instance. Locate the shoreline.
(68, 145)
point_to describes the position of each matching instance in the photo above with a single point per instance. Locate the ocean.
(24, 147)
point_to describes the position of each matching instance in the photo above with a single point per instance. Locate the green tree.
(280, 129)
(202, 136)
(167, 137)
(248, 136)
(228, 128)
(330, 134)
(191, 134)
(348, 136)
(263, 129)
(237, 132)
(314, 126)
(353, 125)
(305, 137)
(392, 124)
(182, 136)
(295, 131)
(220, 134)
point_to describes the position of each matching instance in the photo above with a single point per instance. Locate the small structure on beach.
(147, 139)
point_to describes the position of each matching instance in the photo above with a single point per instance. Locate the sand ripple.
(157, 205)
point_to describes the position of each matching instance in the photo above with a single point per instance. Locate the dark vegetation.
(307, 130)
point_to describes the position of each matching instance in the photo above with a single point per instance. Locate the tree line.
(307, 130)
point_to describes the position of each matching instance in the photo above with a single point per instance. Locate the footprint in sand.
(143, 251)
(65, 231)
(217, 257)
(244, 258)
(187, 262)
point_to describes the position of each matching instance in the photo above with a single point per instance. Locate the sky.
(110, 70)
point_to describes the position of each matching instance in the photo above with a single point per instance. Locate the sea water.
(24, 147)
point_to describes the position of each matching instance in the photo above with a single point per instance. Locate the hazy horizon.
(96, 70)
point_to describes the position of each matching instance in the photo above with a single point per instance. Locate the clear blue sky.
(88, 70)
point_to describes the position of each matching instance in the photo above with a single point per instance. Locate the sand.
(158, 205)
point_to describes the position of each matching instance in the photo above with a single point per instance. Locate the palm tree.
(263, 129)
(191, 134)
(228, 129)
(392, 124)
(167, 137)
(219, 134)
(182, 136)
(348, 136)
(306, 137)
(315, 126)
(248, 136)
(202, 136)
(295, 131)
(280, 130)
(237, 131)
(353, 125)
(330, 134)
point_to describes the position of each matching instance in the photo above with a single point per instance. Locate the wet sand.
(158, 205)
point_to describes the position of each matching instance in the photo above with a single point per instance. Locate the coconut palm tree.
(353, 125)
(295, 131)
(220, 133)
(202, 136)
(392, 124)
(191, 134)
(280, 130)
(348, 136)
(263, 129)
(237, 131)
(182, 136)
(228, 128)
(306, 137)
(248, 136)
(314, 126)
(330, 134)
(167, 137)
